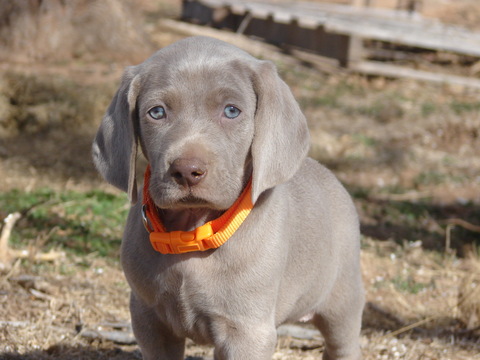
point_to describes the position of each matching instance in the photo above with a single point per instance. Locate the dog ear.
(281, 137)
(115, 146)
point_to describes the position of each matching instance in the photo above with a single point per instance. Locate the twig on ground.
(9, 223)
(451, 223)
(27, 254)
(465, 224)
(15, 323)
(430, 318)
(118, 337)
(8, 255)
(297, 332)
(408, 196)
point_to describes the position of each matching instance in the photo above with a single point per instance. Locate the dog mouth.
(192, 201)
(171, 197)
(175, 198)
(189, 202)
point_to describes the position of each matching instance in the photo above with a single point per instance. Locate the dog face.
(196, 126)
(208, 116)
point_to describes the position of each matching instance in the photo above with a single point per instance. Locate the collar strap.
(209, 236)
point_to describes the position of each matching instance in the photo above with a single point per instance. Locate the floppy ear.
(281, 138)
(115, 146)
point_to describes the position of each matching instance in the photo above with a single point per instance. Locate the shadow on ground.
(59, 352)
(440, 227)
(377, 319)
(75, 353)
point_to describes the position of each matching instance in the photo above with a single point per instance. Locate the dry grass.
(62, 30)
(46, 307)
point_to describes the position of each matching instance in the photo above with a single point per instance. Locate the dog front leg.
(340, 320)
(156, 342)
(256, 342)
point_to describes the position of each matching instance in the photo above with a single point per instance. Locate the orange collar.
(209, 236)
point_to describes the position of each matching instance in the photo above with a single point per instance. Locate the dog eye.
(157, 113)
(231, 111)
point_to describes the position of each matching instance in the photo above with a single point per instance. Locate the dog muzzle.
(211, 235)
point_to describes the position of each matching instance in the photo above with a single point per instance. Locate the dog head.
(208, 116)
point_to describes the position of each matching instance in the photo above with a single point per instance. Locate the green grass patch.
(321, 94)
(408, 285)
(428, 109)
(80, 223)
(384, 109)
(426, 178)
(460, 107)
(365, 140)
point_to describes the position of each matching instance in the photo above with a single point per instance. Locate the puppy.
(238, 231)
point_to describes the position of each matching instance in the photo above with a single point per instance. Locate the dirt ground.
(408, 152)
(62, 310)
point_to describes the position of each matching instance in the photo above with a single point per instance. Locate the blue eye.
(157, 113)
(231, 111)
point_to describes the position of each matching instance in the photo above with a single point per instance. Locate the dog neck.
(204, 231)
(187, 219)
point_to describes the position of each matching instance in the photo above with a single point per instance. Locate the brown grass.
(62, 30)
(47, 306)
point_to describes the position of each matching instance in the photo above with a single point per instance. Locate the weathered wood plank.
(376, 24)
(427, 36)
(337, 32)
(395, 71)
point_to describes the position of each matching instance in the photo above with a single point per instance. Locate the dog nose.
(188, 172)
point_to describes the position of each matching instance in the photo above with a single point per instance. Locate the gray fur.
(296, 254)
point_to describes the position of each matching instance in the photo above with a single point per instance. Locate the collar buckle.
(145, 221)
(179, 242)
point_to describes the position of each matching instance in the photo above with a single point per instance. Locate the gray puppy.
(212, 121)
